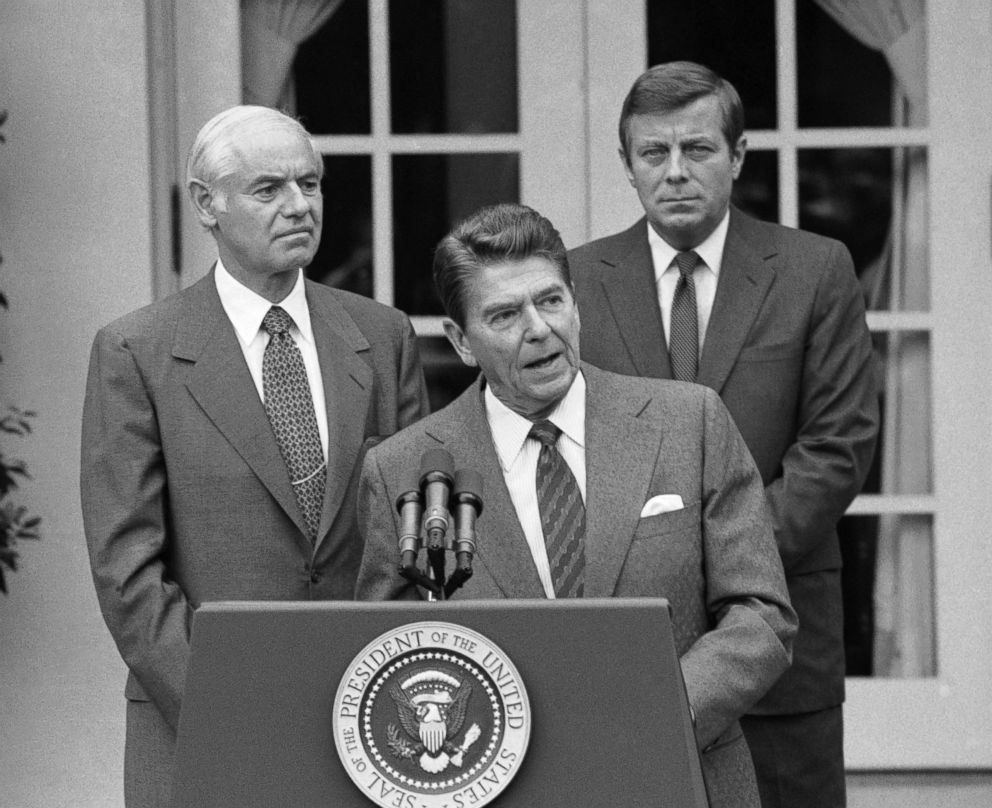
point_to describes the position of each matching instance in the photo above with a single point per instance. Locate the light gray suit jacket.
(789, 352)
(185, 495)
(715, 560)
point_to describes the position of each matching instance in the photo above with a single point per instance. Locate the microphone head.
(437, 460)
(468, 481)
(409, 490)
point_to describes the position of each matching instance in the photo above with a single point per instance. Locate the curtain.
(904, 604)
(271, 32)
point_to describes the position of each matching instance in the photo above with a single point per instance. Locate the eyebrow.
(557, 287)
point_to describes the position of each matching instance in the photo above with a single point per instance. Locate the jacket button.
(314, 577)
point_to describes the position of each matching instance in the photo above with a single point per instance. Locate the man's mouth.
(544, 362)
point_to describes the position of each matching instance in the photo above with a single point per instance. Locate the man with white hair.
(223, 427)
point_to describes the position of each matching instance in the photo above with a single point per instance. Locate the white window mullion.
(786, 71)
(382, 168)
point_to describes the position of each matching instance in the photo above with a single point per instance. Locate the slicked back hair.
(492, 235)
(673, 85)
(214, 152)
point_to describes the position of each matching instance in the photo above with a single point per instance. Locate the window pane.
(447, 376)
(453, 66)
(737, 40)
(430, 193)
(331, 71)
(888, 595)
(902, 463)
(874, 200)
(756, 190)
(841, 82)
(344, 259)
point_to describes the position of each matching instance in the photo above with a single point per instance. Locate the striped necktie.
(563, 514)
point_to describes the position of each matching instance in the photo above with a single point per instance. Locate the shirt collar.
(510, 430)
(246, 308)
(711, 249)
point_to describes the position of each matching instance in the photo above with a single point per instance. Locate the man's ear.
(457, 339)
(205, 203)
(626, 165)
(737, 156)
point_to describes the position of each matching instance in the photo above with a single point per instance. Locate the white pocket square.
(663, 503)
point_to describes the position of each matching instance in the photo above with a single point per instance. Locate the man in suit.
(223, 435)
(654, 493)
(773, 320)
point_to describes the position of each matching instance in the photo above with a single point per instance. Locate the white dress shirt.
(246, 309)
(518, 460)
(705, 276)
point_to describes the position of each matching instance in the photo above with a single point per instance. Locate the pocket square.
(663, 503)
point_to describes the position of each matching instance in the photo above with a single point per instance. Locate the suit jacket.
(185, 495)
(789, 352)
(715, 559)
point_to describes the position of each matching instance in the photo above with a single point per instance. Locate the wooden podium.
(609, 720)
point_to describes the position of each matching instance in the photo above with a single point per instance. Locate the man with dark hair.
(223, 427)
(772, 319)
(654, 492)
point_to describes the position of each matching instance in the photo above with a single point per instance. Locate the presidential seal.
(431, 715)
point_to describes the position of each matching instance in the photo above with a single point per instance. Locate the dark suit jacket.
(715, 559)
(789, 352)
(185, 495)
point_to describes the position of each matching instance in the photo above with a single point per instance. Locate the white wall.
(74, 235)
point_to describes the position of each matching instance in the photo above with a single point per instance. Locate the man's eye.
(266, 192)
(501, 317)
(310, 187)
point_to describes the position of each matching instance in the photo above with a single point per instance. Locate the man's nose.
(295, 202)
(537, 327)
(675, 166)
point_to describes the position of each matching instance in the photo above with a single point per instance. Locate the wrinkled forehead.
(507, 283)
(271, 150)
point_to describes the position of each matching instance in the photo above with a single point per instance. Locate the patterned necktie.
(563, 514)
(289, 405)
(683, 339)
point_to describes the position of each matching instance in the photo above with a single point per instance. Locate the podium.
(269, 705)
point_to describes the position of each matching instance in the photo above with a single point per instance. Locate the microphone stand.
(424, 523)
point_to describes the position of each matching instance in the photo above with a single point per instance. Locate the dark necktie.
(289, 405)
(563, 514)
(683, 339)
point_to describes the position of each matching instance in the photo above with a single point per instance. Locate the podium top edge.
(421, 607)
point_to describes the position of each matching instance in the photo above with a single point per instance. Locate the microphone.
(410, 506)
(437, 470)
(468, 499)
(468, 505)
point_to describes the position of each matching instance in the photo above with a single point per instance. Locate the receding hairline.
(216, 150)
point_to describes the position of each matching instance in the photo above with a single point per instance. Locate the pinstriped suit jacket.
(715, 560)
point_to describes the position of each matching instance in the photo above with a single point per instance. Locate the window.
(843, 140)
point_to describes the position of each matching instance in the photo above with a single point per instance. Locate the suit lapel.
(222, 385)
(622, 447)
(347, 384)
(502, 547)
(632, 295)
(745, 277)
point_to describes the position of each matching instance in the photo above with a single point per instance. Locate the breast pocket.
(661, 524)
(771, 352)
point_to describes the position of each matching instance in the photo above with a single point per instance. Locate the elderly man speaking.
(656, 494)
